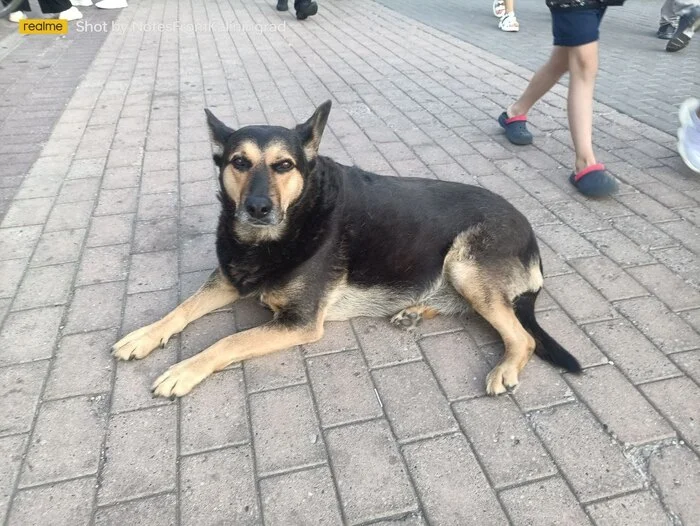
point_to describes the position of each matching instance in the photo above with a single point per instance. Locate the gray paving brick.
(333, 377)
(637, 508)
(11, 273)
(598, 469)
(85, 168)
(304, 497)
(27, 212)
(201, 219)
(18, 242)
(629, 349)
(122, 176)
(608, 278)
(676, 471)
(619, 248)
(543, 502)
(198, 253)
(20, 387)
(95, 307)
(202, 170)
(635, 422)
(118, 201)
(678, 400)
(198, 193)
(643, 233)
(451, 485)
(155, 511)
(60, 503)
(11, 451)
(646, 207)
(29, 335)
(372, 481)
(683, 231)
(690, 363)
(141, 450)
(568, 334)
(579, 299)
(415, 408)
(508, 449)
(285, 431)
(82, 365)
(667, 286)
(152, 271)
(103, 264)
(160, 160)
(66, 441)
(682, 261)
(69, 216)
(207, 331)
(219, 487)
(274, 370)
(159, 181)
(156, 235)
(58, 247)
(566, 242)
(384, 344)
(45, 286)
(74, 191)
(337, 336)
(666, 330)
(214, 415)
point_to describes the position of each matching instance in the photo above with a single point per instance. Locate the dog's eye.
(239, 162)
(283, 166)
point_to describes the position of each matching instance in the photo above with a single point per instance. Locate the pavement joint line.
(231, 445)
(101, 507)
(53, 482)
(352, 422)
(277, 388)
(393, 515)
(428, 436)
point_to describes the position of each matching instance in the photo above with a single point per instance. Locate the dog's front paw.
(502, 378)
(180, 379)
(141, 342)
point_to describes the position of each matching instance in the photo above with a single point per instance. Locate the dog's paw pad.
(408, 319)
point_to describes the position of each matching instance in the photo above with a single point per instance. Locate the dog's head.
(263, 169)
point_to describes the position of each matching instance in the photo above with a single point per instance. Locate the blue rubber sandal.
(516, 128)
(594, 181)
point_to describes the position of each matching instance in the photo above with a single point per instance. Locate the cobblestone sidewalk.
(114, 224)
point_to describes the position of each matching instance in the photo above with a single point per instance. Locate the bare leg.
(583, 67)
(545, 78)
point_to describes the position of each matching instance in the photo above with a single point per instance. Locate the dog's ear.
(310, 132)
(219, 131)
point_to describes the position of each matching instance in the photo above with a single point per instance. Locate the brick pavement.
(637, 76)
(370, 425)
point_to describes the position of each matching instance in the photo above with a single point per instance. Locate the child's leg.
(546, 77)
(510, 7)
(583, 68)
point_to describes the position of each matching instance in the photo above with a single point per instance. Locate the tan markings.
(214, 294)
(181, 378)
(278, 299)
(489, 301)
(286, 187)
(235, 181)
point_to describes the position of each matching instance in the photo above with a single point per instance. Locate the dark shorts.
(576, 28)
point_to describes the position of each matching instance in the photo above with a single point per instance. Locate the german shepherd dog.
(315, 240)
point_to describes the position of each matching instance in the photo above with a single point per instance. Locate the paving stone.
(543, 502)
(154, 206)
(95, 307)
(275, 370)
(371, 478)
(304, 497)
(678, 399)
(20, 388)
(214, 415)
(416, 408)
(201, 219)
(579, 299)
(156, 235)
(118, 201)
(384, 344)
(635, 422)
(667, 286)
(11, 273)
(18, 242)
(285, 431)
(82, 365)
(29, 335)
(25, 212)
(207, 331)
(110, 230)
(619, 248)
(337, 336)
(45, 286)
(78, 190)
(159, 181)
(103, 264)
(140, 459)
(60, 503)
(631, 351)
(643, 233)
(637, 508)
(204, 476)
(646, 207)
(11, 452)
(666, 330)
(571, 337)
(198, 193)
(66, 441)
(58, 247)
(541, 385)
(69, 216)
(152, 271)
(609, 279)
(690, 363)
(450, 483)
(566, 242)
(198, 253)
(121, 176)
(598, 469)
(155, 511)
(507, 448)
(676, 471)
(333, 377)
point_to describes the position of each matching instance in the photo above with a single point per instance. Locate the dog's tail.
(546, 347)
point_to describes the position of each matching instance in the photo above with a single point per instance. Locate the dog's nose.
(258, 207)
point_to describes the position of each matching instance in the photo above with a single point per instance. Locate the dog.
(318, 241)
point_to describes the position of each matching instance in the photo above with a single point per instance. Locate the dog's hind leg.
(216, 292)
(410, 317)
(489, 298)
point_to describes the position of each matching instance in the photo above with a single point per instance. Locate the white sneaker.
(16, 17)
(689, 134)
(499, 8)
(112, 4)
(70, 14)
(81, 3)
(509, 23)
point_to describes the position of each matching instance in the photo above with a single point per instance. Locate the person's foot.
(516, 128)
(665, 31)
(306, 9)
(499, 8)
(112, 4)
(594, 181)
(509, 23)
(282, 5)
(81, 3)
(688, 24)
(70, 14)
(689, 134)
(16, 17)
